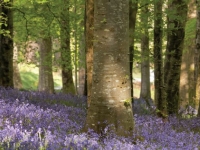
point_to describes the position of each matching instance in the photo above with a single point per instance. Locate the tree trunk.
(6, 45)
(16, 77)
(81, 77)
(145, 92)
(111, 90)
(67, 76)
(133, 6)
(45, 69)
(187, 79)
(158, 58)
(89, 27)
(175, 39)
(197, 54)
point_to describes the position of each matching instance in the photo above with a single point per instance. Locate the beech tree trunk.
(175, 40)
(158, 57)
(145, 92)
(110, 104)
(89, 37)
(45, 69)
(187, 78)
(82, 66)
(6, 45)
(16, 74)
(133, 6)
(67, 76)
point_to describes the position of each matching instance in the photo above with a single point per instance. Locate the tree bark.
(89, 37)
(145, 92)
(133, 6)
(110, 104)
(187, 79)
(45, 69)
(67, 76)
(175, 39)
(197, 54)
(16, 77)
(6, 45)
(82, 70)
(158, 57)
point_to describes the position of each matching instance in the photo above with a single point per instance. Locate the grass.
(30, 74)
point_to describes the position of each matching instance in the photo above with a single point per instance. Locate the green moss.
(190, 30)
(127, 103)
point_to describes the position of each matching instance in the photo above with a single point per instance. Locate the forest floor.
(40, 121)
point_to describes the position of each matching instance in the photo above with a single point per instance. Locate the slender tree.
(6, 44)
(67, 77)
(133, 7)
(111, 90)
(45, 69)
(158, 57)
(176, 17)
(145, 92)
(187, 79)
(16, 74)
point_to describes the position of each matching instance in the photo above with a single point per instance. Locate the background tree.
(67, 78)
(45, 49)
(45, 67)
(111, 90)
(187, 79)
(16, 74)
(145, 92)
(176, 19)
(133, 6)
(158, 56)
(6, 44)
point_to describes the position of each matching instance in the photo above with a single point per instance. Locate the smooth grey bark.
(46, 83)
(6, 45)
(145, 92)
(110, 104)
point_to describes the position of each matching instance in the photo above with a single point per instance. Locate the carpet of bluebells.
(33, 121)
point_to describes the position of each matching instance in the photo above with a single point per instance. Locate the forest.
(100, 75)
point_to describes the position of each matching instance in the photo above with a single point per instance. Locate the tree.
(133, 6)
(176, 19)
(45, 69)
(16, 74)
(158, 60)
(187, 78)
(6, 44)
(111, 90)
(89, 27)
(197, 54)
(145, 92)
(67, 78)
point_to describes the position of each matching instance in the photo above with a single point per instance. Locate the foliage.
(31, 23)
(28, 121)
